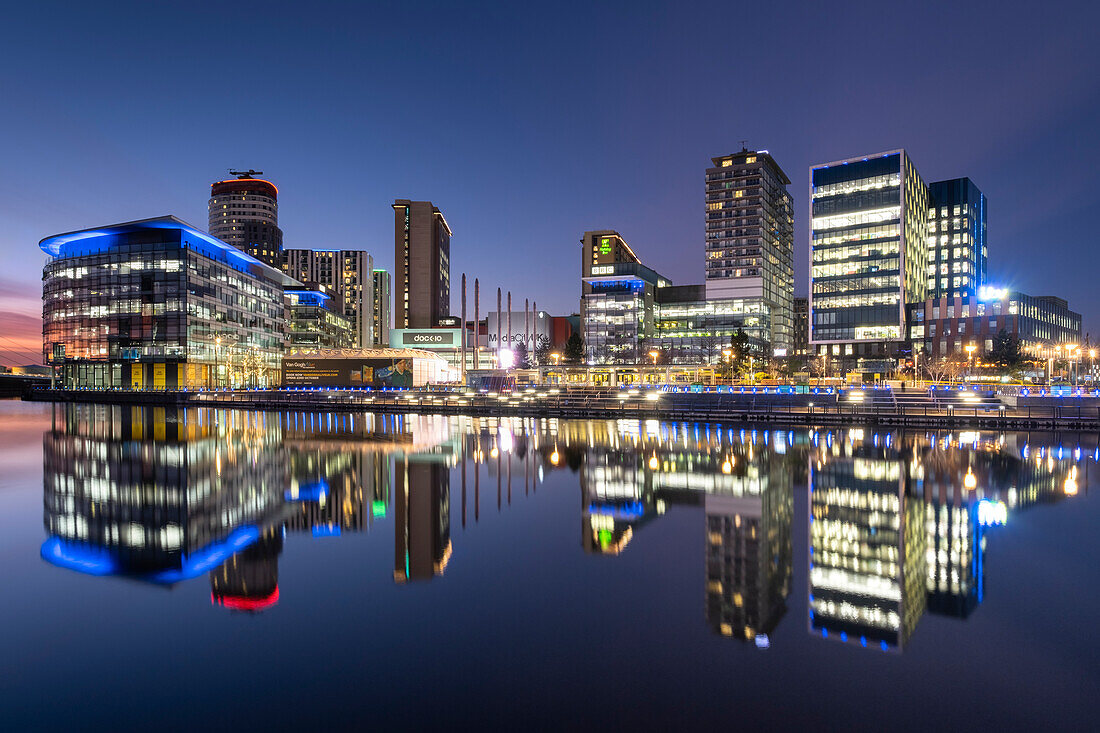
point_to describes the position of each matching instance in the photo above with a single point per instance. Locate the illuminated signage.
(990, 293)
(421, 337)
(603, 269)
(605, 246)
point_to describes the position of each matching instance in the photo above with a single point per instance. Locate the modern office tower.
(381, 318)
(422, 516)
(422, 264)
(315, 319)
(244, 212)
(868, 563)
(690, 329)
(156, 493)
(346, 272)
(750, 238)
(956, 239)
(868, 255)
(948, 326)
(617, 293)
(157, 304)
(801, 338)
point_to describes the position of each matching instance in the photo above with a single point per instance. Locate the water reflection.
(896, 524)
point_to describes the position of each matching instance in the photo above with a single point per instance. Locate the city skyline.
(1027, 105)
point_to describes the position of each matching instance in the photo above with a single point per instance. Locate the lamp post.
(1071, 359)
(217, 360)
(653, 355)
(556, 357)
(970, 360)
(728, 353)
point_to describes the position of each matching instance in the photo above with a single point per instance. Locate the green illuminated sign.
(605, 246)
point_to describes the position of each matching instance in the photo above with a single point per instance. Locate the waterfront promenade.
(883, 406)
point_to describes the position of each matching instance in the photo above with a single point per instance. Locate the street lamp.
(654, 354)
(970, 359)
(217, 364)
(1072, 352)
(556, 357)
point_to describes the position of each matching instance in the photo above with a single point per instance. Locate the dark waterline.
(217, 569)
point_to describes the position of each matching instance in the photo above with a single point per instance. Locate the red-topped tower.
(244, 212)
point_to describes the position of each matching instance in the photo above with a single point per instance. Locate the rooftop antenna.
(245, 174)
(743, 148)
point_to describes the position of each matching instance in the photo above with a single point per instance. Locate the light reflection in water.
(897, 523)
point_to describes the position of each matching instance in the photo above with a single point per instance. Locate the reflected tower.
(422, 519)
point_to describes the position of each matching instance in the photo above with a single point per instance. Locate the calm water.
(232, 570)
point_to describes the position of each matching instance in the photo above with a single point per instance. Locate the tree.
(1006, 349)
(542, 350)
(739, 352)
(520, 357)
(574, 349)
(708, 342)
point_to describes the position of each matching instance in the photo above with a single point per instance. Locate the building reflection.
(142, 492)
(897, 522)
(866, 543)
(249, 581)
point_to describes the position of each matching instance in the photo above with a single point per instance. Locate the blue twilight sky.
(528, 123)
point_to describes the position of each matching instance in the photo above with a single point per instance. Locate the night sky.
(528, 123)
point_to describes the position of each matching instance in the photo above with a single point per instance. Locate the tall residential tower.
(348, 272)
(750, 238)
(244, 212)
(381, 307)
(422, 264)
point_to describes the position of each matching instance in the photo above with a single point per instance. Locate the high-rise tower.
(868, 255)
(244, 212)
(750, 238)
(422, 264)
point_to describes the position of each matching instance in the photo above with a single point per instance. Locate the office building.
(157, 304)
(689, 328)
(947, 326)
(422, 264)
(956, 239)
(800, 339)
(380, 321)
(315, 319)
(244, 212)
(750, 238)
(348, 273)
(868, 255)
(617, 296)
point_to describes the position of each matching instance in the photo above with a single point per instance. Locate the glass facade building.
(750, 238)
(348, 273)
(617, 297)
(956, 239)
(693, 330)
(315, 319)
(868, 254)
(157, 304)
